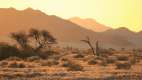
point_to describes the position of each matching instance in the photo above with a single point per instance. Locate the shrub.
(21, 65)
(123, 58)
(48, 54)
(111, 49)
(67, 64)
(125, 65)
(84, 78)
(75, 67)
(79, 56)
(45, 55)
(14, 58)
(16, 65)
(3, 63)
(64, 59)
(7, 51)
(92, 62)
(28, 53)
(72, 66)
(103, 63)
(54, 57)
(33, 58)
(49, 63)
(111, 60)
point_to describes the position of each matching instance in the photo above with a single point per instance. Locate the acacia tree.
(21, 38)
(42, 38)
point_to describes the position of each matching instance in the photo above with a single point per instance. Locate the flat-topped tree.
(35, 39)
(42, 38)
(21, 38)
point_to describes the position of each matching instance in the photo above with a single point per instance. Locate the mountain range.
(67, 32)
(90, 24)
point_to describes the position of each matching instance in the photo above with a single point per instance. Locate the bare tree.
(97, 48)
(42, 38)
(89, 43)
(96, 52)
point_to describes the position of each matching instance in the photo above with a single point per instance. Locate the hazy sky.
(114, 13)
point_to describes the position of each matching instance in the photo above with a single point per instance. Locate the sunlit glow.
(114, 13)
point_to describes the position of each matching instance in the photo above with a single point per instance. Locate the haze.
(114, 13)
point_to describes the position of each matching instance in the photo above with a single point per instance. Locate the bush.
(79, 56)
(28, 53)
(3, 63)
(72, 66)
(50, 63)
(125, 65)
(111, 60)
(64, 59)
(16, 65)
(21, 65)
(11, 52)
(7, 51)
(67, 63)
(134, 60)
(14, 58)
(33, 58)
(84, 78)
(75, 67)
(47, 54)
(103, 63)
(92, 62)
(123, 58)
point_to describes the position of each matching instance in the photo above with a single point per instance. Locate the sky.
(114, 13)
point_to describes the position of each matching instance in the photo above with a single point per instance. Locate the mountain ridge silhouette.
(66, 32)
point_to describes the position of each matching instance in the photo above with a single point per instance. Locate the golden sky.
(114, 13)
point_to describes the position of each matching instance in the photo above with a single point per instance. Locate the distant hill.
(121, 37)
(66, 32)
(90, 24)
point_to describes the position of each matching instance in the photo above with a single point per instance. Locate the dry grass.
(71, 66)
